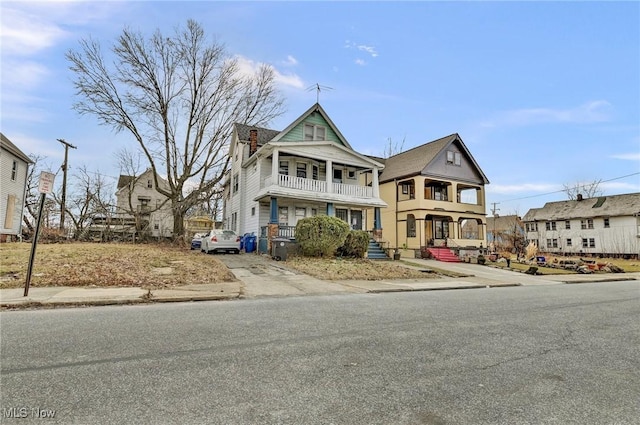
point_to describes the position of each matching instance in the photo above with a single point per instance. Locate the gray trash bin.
(279, 247)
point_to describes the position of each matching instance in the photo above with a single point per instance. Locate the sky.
(543, 94)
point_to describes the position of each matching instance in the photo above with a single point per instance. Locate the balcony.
(318, 190)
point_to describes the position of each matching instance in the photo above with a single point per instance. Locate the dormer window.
(314, 132)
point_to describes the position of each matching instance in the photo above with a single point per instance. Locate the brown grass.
(353, 269)
(92, 264)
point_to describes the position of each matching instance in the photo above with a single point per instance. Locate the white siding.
(250, 189)
(12, 187)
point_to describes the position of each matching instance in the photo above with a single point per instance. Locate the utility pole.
(64, 179)
(493, 211)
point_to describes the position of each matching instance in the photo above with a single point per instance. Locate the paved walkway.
(258, 276)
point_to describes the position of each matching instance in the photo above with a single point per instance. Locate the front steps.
(444, 254)
(375, 252)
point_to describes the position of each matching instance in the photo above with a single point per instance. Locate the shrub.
(355, 245)
(321, 236)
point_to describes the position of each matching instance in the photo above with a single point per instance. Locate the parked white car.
(220, 240)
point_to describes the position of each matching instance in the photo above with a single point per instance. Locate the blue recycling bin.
(250, 243)
(243, 241)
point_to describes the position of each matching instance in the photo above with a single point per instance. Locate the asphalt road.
(562, 354)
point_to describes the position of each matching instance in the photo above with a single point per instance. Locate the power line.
(563, 190)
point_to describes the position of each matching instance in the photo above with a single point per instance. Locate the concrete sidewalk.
(276, 281)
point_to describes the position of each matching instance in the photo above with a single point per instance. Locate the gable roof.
(315, 108)
(414, 161)
(8, 145)
(602, 206)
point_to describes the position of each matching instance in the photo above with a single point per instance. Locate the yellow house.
(433, 191)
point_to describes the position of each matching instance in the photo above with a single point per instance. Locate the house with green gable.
(277, 178)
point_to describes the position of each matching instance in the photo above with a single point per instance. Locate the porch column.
(273, 219)
(275, 167)
(329, 179)
(374, 184)
(377, 223)
(330, 211)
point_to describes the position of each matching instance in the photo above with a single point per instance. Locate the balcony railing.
(320, 186)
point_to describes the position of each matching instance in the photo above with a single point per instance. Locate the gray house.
(13, 185)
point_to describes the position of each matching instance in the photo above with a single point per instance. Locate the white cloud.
(249, 67)
(25, 33)
(360, 62)
(590, 112)
(362, 48)
(291, 61)
(22, 74)
(635, 156)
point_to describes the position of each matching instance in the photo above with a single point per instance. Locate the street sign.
(46, 182)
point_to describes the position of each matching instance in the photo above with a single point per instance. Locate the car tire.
(237, 251)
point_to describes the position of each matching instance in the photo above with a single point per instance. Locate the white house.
(138, 199)
(13, 185)
(279, 177)
(606, 225)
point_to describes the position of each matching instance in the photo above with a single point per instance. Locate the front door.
(356, 220)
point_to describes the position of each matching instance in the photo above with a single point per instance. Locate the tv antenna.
(318, 88)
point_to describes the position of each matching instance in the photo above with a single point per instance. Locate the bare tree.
(393, 148)
(91, 196)
(179, 97)
(587, 190)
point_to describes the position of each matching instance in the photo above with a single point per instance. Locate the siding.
(15, 188)
(296, 134)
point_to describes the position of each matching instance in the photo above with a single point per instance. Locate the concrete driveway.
(262, 276)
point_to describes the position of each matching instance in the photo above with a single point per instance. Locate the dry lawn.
(353, 269)
(93, 264)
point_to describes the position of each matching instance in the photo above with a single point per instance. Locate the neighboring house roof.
(124, 180)
(414, 161)
(8, 145)
(264, 134)
(602, 206)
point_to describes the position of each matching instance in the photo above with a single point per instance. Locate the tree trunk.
(178, 222)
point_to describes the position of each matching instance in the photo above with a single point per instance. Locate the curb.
(65, 304)
(613, 279)
(444, 288)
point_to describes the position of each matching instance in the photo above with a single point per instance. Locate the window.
(149, 184)
(411, 226)
(235, 183)
(314, 132)
(283, 216)
(301, 170)
(592, 243)
(552, 243)
(234, 221)
(585, 243)
(314, 172)
(550, 225)
(586, 224)
(156, 226)
(568, 242)
(14, 170)
(454, 158)
(567, 224)
(590, 223)
(337, 175)
(351, 174)
(253, 211)
(284, 168)
(408, 188)
(439, 193)
(606, 223)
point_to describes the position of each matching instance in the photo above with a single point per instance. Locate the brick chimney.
(253, 141)
(579, 197)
